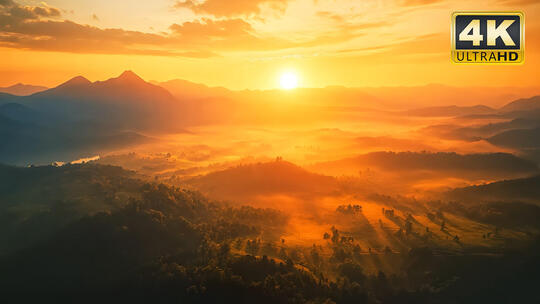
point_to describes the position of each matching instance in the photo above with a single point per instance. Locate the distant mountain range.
(80, 115)
(514, 108)
(125, 102)
(479, 132)
(446, 111)
(22, 89)
(519, 128)
(183, 89)
(129, 102)
(451, 164)
(80, 118)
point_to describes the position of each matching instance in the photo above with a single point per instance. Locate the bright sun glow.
(288, 81)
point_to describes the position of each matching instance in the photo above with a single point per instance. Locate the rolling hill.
(519, 108)
(524, 104)
(517, 138)
(479, 132)
(488, 164)
(522, 189)
(277, 177)
(446, 111)
(36, 201)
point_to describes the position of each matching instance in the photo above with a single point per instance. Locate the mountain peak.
(78, 80)
(129, 76)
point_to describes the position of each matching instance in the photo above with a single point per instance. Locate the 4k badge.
(488, 37)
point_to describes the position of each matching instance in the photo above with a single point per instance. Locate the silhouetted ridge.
(517, 138)
(75, 81)
(453, 110)
(127, 77)
(521, 189)
(124, 102)
(524, 104)
(486, 163)
(21, 89)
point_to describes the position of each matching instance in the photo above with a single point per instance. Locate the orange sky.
(249, 43)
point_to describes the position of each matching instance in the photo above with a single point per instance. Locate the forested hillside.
(133, 241)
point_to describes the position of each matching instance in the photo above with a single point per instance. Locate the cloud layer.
(42, 28)
(229, 8)
(218, 27)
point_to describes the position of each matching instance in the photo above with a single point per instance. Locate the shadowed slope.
(490, 163)
(126, 101)
(526, 189)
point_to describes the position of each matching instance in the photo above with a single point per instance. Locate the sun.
(288, 81)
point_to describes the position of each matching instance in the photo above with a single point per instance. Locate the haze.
(269, 151)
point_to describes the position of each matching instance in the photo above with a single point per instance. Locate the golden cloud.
(229, 8)
(37, 28)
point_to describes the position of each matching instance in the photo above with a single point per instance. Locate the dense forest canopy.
(130, 240)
